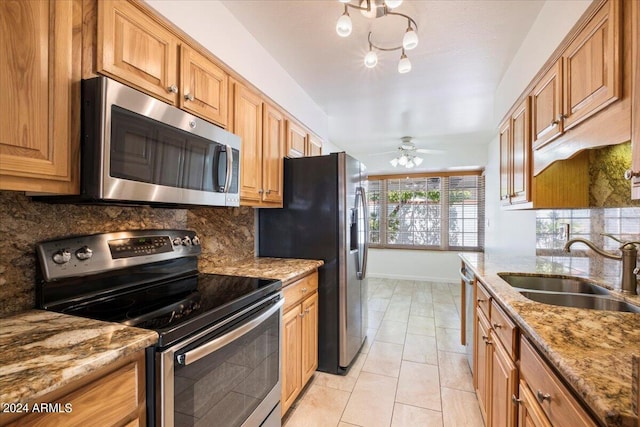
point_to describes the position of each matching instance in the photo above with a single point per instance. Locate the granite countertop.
(42, 351)
(287, 270)
(591, 349)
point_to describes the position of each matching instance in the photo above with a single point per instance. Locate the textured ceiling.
(445, 102)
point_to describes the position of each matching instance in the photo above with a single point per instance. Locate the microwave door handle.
(229, 177)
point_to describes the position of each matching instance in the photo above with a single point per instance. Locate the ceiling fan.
(407, 153)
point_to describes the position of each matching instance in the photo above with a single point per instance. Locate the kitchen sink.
(581, 301)
(553, 284)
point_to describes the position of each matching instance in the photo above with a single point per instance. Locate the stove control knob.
(61, 256)
(195, 240)
(176, 241)
(186, 241)
(84, 253)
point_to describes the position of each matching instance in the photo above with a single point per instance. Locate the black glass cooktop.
(178, 308)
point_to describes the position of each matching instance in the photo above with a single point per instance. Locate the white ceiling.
(445, 102)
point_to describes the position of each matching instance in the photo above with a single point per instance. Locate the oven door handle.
(200, 352)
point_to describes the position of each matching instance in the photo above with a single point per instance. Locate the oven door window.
(226, 386)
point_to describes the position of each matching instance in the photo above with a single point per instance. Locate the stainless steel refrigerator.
(325, 217)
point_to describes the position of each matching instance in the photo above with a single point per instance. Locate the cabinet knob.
(303, 290)
(188, 97)
(172, 89)
(301, 314)
(543, 396)
(260, 191)
(515, 400)
(306, 310)
(497, 326)
(628, 174)
(268, 192)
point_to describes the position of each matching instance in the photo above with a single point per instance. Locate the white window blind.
(432, 212)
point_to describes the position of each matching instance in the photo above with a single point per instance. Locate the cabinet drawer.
(109, 400)
(556, 401)
(504, 329)
(295, 292)
(483, 300)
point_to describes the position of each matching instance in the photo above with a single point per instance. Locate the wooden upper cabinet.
(203, 86)
(296, 140)
(247, 124)
(314, 146)
(635, 118)
(515, 157)
(273, 154)
(505, 162)
(592, 68)
(39, 107)
(135, 49)
(521, 154)
(546, 107)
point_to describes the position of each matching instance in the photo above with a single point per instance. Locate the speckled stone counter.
(285, 269)
(41, 351)
(591, 349)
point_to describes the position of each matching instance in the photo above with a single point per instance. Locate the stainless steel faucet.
(628, 255)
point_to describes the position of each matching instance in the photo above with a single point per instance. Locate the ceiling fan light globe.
(344, 1)
(409, 164)
(394, 162)
(392, 4)
(403, 160)
(417, 161)
(410, 39)
(344, 25)
(370, 59)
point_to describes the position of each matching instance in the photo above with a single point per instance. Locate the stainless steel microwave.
(138, 149)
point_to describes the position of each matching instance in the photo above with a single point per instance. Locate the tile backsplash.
(227, 234)
(591, 224)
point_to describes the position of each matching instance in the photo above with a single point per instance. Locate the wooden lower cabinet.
(503, 384)
(300, 337)
(529, 412)
(482, 356)
(115, 396)
(551, 397)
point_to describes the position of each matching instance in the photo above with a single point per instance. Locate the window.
(427, 212)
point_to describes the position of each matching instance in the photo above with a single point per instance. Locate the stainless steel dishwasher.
(468, 279)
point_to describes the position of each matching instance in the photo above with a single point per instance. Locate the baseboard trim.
(413, 277)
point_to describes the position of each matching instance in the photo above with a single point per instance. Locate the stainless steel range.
(217, 361)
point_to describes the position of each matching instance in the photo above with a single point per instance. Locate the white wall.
(213, 26)
(514, 232)
(414, 265)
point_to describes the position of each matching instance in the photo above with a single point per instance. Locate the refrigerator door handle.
(363, 233)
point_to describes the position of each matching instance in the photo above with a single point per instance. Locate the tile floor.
(412, 371)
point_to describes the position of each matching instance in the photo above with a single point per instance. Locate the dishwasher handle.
(464, 276)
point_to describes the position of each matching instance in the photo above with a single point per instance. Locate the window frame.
(444, 205)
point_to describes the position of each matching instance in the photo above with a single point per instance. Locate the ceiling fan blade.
(429, 151)
(381, 153)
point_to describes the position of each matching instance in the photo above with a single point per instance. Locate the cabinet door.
(504, 381)
(591, 72)
(135, 49)
(309, 337)
(273, 154)
(39, 106)
(314, 146)
(291, 357)
(546, 107)
(529, 412)
(505, 163)
(247, 118)
(203, 87)
(635, 108)
(482, 365)
(521, 153)
(296, 140)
